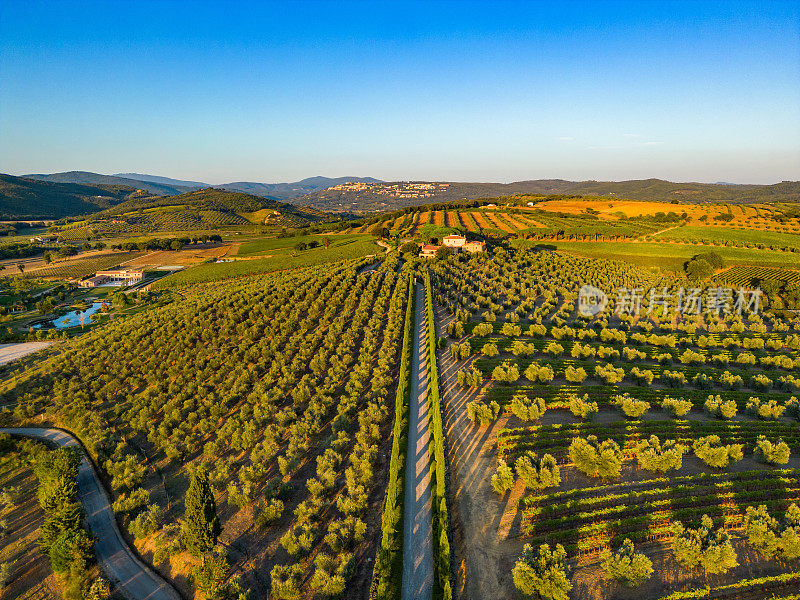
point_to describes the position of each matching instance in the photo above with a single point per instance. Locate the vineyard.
(280, 386)
(82, 267)
(610, 438)
(273, 255)
(745, 276)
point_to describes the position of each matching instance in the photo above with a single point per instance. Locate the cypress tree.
(201, 526)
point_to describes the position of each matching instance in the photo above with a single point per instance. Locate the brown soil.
(30, 574)
(486, 526)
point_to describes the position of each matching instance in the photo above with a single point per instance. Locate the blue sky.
(227, 91)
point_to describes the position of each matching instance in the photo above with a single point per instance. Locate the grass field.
(269, 245)
(672, 256)
(342, 248)
(722, 234)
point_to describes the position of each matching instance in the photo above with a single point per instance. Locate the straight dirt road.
(417, 534)
(135, 580)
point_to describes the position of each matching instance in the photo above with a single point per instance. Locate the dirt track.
(482, 521)
(417, 528)
(10, 352)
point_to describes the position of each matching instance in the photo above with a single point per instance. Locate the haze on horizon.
(277, 92)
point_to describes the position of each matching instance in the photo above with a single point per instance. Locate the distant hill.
(287, 191)
(199, 210)
(167, 186)
(23, 198)
(162, 180)
(386, 196)
(95, 178)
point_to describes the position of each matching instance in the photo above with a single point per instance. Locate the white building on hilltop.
(454, 241)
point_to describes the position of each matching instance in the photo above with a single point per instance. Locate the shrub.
(582, 351)
(128, 504)
(630, 406)
(483, 329)
(773, 453)
(537, 473)
(286, 581)
(269, 513)
(770, 538)
(147, 523)
(511, 330)
(702, 381)
(482, 413)
(655, 456)
(460, 351)
(674, 379)
(596, 459)
(542, 573)
(690, 357)
(730, 381)
(581, 407)
(761, 383)
(331, 573)
(706, 547)
(627, 566)
(537, 330)
(719, 408)
(575, 374)
(714, 454)
(665, 358)
(554, 348)
(471, 377)
(503, 478)
(642, 376)
(527, 409)
(764, 409)
(543, 373)
(520, 348)
(609, 374)
(505, 373)
(489, 349)
(678, 407)
(793, 408)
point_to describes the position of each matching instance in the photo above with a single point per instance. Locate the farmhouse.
(474, 246)
(454, 241)
(114, 277)
(428, 250)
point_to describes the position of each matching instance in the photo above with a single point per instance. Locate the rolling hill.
(23, 198)
(85, 177)
(378, 197)
(198, 210)
(167, 186)
(287, 191)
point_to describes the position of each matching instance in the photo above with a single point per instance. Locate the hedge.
(388, 571)
(442, 587)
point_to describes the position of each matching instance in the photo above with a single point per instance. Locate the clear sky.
(490, 91)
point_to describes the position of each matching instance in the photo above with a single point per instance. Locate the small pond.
(73, 318)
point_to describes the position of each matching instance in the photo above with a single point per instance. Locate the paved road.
(132, 577)
(417, 534)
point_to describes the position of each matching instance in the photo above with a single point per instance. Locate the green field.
(672, 256)
(269, 245)
(344, 247)
(722, 235)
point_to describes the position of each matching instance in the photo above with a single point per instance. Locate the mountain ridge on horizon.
(317, 191)
(168, 186)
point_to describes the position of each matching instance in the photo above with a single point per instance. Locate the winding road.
(417, 529)
(131, 576)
